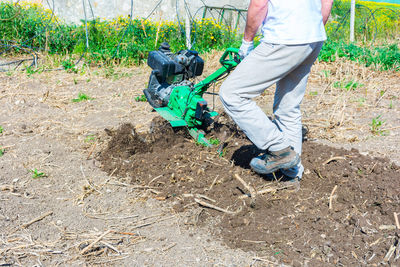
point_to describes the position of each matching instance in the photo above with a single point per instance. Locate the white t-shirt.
(293, 22)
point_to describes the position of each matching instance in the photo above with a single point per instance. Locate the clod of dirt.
(316, 225)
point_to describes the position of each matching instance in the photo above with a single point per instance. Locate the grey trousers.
(289, 67)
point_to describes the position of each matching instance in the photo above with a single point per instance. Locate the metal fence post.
(352, 18)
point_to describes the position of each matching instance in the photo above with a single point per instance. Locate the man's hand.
(326, 9)
(255, 16)
(245, 48)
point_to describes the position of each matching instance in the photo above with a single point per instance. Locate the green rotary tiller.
(175, 97)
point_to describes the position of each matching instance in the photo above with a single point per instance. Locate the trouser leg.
(266, 65)
(288, 96)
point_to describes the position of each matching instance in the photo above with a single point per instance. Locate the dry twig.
(396, 219)
(332, 159)
(252, 191)
(41, 217)
(389, 254)
(86, 249)
(213, 183)
(268, 190)
(211, 206)
(111, 247)
(331, 197)
(150, 223)
(155, 178)
(91, 150)
(169, 247)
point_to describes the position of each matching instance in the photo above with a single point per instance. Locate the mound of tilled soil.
(342, 214)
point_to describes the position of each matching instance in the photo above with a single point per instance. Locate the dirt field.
(113, 192)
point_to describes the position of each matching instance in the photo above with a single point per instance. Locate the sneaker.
(275, 160)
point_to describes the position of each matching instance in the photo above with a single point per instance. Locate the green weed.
(89, 139)
(31, 70)
(214, 141)
(1, 129)
(82, 97)
(376, 126)
(69, 65)
(326, 73)
(37, 174)
(2, 151)
(313, 93)
(351, 85)
(141, 98)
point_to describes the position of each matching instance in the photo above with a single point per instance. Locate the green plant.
(34, 26)
(82, 97)
(37, 174)
(351, 85)
(385, 57)
(313, 93)
(141, 98)
(2, 151)
(89, 139)
(31, 70)
(69, 65)
(376, 126)
(214, 141)
(1, 129)
(338, 84)
(326, 73)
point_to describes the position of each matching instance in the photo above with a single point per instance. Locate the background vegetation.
(28, 27)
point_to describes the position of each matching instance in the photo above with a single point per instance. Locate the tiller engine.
(172, 93)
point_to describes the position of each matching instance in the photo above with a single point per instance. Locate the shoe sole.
(284, 166)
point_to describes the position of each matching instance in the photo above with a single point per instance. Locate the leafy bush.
(120, 39)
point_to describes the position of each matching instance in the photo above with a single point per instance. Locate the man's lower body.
(289, 67)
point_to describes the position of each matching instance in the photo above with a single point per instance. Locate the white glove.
(245, 48)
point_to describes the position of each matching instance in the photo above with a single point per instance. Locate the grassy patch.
(386, 57)
(350, 85)
(141, 98)
(37, 174)
(82, 97)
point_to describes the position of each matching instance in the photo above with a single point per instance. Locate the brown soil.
(341, 215)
